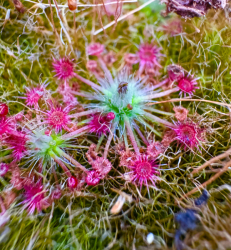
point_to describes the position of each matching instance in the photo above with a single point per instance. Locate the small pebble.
(150, 238)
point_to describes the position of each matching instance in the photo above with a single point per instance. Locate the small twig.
(52, 21)
(189, 100)
(61, 23)
(217, 158)
(124, 16)
(84, 5)
(196, 189)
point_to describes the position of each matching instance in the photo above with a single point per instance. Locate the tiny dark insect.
(122, 88)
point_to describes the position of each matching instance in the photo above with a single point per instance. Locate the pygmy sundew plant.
(99, 155)
(35, 198)
(126, 97)
(148, 56)
(186, 82)
(189, 134)
(144, 170)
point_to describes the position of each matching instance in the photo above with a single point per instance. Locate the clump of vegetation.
(114, 116)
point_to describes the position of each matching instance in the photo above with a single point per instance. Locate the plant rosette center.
(45, 145)
(57, 118)
(144, 169)
(186, 85)
(188, 132)
(124, 98)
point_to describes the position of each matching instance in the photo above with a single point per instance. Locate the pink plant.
(148, 56)
(4, 168)
(92, 178)
(16, 179)
(75, 86)
(64, 89)
(180, 113)
(64, 68)
(17, 143)
(175, 72)
(3, 109)
(126, 157)
(109, 58)
(92, 65)
(168, 137)
(131, 59)
(95, 49)
(72, 182)
(10, 197)
(91, 154)
(58, 118)
(56, 194)
(113, 9)
(33, 96)
(189, 134)
(35, 198)
(4, 125)
(100, 124)
(144, 170)
(155, 149)
(187, 85)
(102, 166)
(70, 100)
(172, 28)
(18, 117)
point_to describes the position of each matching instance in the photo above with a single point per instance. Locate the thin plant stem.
(150, 127)
(99, 143)
(61, 164)
(161, 94)
(137, 139)
(55, 175)
(217, 175)
(88, 82)
(79, 93)
(109, 141)
(85, 113)
(190, 100)
(140, 71)
(140, 134)
(82, 5)
(105, 69)
(52, 21)
(217, 158)
(4, 183)
(61, 23)
(158, 111)
(126, 140)
(158, 120)
(160, 84)
(71, 160)
(83, 122)
(131, 135)
(75, 133)
(124, 16)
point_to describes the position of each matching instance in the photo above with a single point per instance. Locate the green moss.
(83, 220)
